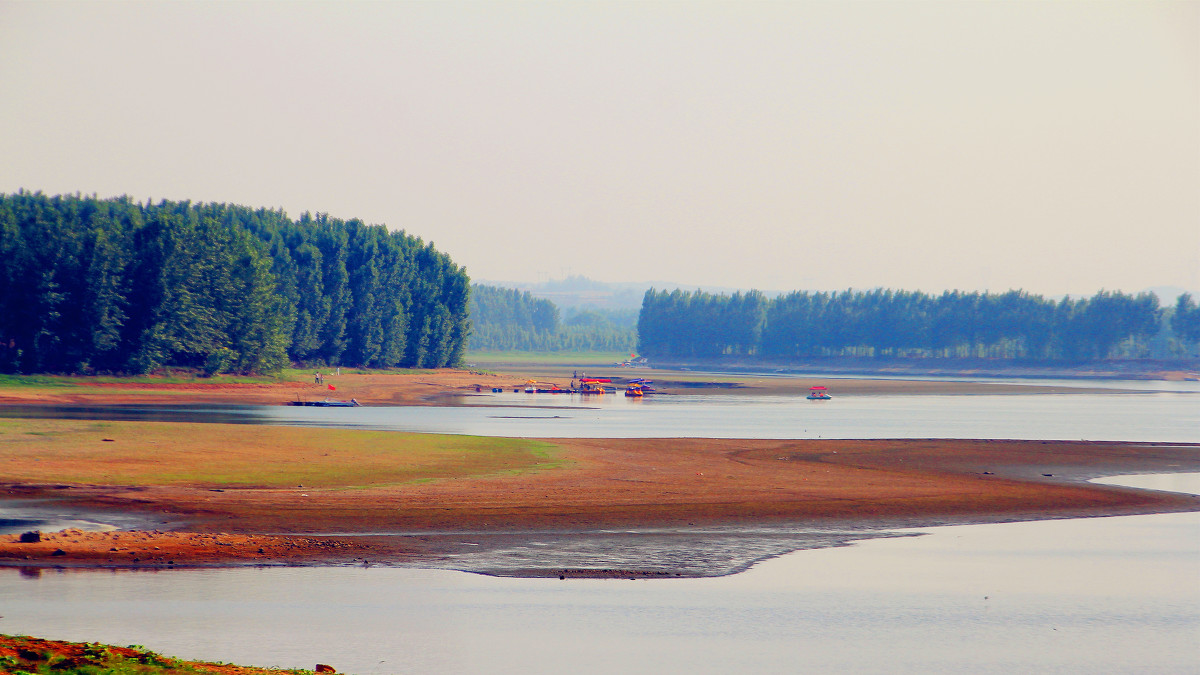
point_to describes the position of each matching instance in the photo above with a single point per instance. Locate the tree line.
(506, 319)
(112, 285)
(891, 323)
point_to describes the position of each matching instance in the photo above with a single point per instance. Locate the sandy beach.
(619, 483)
(552, 484)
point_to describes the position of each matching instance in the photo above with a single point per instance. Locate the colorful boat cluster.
(587, 386)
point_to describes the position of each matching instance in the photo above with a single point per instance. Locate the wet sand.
(611, 483)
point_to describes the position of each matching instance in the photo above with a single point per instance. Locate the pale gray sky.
(1050, 146)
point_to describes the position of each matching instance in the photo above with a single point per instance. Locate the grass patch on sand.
(235, 455)
(306, 374)
(25, 381)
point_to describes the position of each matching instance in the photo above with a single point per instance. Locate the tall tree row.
(506, 319)
(111, 285)
(882, 322)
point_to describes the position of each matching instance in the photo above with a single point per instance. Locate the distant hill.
(579, 292)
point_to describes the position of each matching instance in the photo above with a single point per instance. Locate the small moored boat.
(327, 403)
(818, 394)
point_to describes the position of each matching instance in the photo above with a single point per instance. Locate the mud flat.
(440, 484)
(223, 494)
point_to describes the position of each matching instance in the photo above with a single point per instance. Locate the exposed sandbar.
(599, 483)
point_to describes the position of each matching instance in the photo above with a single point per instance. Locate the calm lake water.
(1145, 416)
(1112, 595)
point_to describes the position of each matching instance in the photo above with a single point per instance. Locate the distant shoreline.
(1117, 369)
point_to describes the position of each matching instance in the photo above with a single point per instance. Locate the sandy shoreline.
(620, 484)
(438, 388)
(595, 484)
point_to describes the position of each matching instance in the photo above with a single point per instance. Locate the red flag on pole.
(332, 388)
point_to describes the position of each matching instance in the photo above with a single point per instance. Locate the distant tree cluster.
(111, 285)
(1185, 319)
(506, 319)
(889, 323)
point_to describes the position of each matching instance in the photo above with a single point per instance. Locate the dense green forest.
(111, 285)
(505, 319)
(887, 323)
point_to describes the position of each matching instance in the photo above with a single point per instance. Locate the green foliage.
(1185, 320)
(7, 381)
(43, 657)
(219, 361)
(882, 322)
(90, 285)
(504, 319)
(1185, 323)
(700, 324)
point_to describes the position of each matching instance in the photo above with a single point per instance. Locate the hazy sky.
(1050, 146)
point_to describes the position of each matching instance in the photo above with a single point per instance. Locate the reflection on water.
(1106, 595)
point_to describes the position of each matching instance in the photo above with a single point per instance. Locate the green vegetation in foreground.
(20, 655)
(234, 455)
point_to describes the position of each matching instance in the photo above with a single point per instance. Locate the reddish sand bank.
(638, 482)
(599, 483)
(169, 549)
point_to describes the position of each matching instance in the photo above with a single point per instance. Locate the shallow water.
(1111, 595)
(1148, 416)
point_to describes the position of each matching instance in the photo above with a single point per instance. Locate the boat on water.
(818, 394)
(634, 391)
(643, 385)
(593, 386)
(535, 387)
(327, 403)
